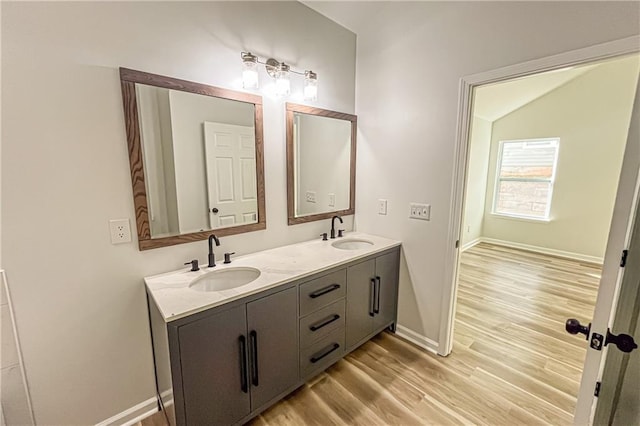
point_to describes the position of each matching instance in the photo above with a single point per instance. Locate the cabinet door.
(386, 301)
(359, 301)
(273, 342)
(211, 358)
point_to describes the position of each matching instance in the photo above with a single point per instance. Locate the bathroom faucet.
(333, 226)
(212, 257)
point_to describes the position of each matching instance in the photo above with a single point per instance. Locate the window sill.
(540, 220)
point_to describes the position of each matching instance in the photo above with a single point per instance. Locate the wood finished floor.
(512, 362)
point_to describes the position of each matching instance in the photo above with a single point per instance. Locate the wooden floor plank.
(512, 362)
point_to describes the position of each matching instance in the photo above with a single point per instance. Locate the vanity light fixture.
(280, 72)
(310, 86)
(249, 71)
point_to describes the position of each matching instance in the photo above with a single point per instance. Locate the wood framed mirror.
(196, 157)
(321, 163)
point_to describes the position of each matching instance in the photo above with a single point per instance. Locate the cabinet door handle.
(317, 358)
(372, 297)
(253, 337)
(244, 380)
(325, 322)
(376, 308)
(324, 291)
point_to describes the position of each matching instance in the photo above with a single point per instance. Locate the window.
(524, 183)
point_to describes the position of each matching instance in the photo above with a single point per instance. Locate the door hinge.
(457, 243)
(596, 392)
(623, 260)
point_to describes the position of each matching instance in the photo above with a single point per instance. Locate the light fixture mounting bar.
(272, 65)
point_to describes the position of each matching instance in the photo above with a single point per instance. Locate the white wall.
(324, 159)
(154, 119)
(476, 186)
(411, 57)
(590, 115)
(80, 301)
(188, 114)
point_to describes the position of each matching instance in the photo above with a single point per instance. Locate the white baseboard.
(417, 339)
(470, 244)
(133, 415)
(544, 250)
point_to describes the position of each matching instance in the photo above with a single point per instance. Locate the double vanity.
(231, 341)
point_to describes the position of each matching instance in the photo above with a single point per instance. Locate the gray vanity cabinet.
(212, 368)
(387, 268)
(225, 365)
(235, 361)
(273, 335)
(372, 295)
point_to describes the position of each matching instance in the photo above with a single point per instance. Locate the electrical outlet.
(311, 196)
(420, 211)
(382, 207)
(332, 200)
(120, 231)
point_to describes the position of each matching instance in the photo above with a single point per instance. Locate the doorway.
(540, 192)
(619, 225)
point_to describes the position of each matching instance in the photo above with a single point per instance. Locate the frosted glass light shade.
(283, 85)
(310, 86)
(250, 79)
(249, 71)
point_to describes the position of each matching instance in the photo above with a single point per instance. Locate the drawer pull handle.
(317, 358)
(324, 291)
(324, 323)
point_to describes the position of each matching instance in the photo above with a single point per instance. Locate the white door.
(620, 238)
(230, 153)
(619, 396)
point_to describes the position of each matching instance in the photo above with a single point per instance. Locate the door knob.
(214, 210)
(624, 342)
(573, 326)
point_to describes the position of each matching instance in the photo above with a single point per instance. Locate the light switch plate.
(120, 231)
(332, 200)
(420, 211)
(382, 207)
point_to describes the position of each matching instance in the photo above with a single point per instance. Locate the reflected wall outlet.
(120, 231)
(420, 211)
(382, 207)
(310, 196)
(332, 200)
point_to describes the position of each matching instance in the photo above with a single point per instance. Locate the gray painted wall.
(79, 301)
(411, 56)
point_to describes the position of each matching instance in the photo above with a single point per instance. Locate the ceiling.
(353, 15)
(494, 101)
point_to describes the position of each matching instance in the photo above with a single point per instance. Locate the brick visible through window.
(524, 184)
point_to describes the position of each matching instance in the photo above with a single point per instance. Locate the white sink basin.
(224, 279)
(352, 244)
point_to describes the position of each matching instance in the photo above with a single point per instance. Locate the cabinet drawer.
(322, 353)
(322, 291)
(315, 326)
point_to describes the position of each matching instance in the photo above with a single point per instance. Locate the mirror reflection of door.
(230, 156)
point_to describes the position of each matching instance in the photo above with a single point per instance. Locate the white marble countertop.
(280, 265)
